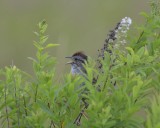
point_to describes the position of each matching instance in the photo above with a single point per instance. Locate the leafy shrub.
(127, 79)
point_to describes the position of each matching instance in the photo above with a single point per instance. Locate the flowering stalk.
(119, 33)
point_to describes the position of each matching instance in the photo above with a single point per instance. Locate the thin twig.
(52, 124)
(77, 121)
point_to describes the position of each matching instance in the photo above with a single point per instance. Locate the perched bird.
(77, 62)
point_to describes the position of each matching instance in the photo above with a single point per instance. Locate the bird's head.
(77, 61)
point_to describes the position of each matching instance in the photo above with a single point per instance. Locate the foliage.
(130, 76)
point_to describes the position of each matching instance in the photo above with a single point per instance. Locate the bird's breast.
(75, 70)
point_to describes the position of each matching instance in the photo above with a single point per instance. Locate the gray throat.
(75, 70)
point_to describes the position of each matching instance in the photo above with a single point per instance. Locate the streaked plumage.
(78, 60)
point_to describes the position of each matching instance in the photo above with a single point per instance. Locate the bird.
(78, 60)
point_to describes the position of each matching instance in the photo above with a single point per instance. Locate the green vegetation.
(134, 102)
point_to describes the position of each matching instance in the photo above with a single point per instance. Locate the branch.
(78, 119)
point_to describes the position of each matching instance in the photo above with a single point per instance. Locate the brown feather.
(80, 53)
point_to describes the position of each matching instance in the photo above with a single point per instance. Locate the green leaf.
(129, 60)
(51, 45)
(43, 39)
(130, 50)
(136, 89)
(140, 52)
(36, 33)
(38, 46)
(144, 14)
(30, 58)
(44, 107)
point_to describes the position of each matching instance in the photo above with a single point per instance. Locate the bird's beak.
(70, 62)
(68, 57)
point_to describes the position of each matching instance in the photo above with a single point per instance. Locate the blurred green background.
(77, 25)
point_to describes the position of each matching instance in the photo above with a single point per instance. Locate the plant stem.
(24, 101)
(17, 105)
(36, 93)
(5, 99)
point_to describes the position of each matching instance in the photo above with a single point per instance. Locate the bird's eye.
(75, 59)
